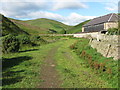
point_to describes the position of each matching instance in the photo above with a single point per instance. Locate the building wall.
(82, 29)
(110, 25)
(99, 27)
(94, 28)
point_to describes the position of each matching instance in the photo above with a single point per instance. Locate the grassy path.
(49, 75)
(52, 65)
(23, 70)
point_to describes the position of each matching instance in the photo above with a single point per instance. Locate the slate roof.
(102, 19)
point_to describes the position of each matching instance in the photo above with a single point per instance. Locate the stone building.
(102, 23)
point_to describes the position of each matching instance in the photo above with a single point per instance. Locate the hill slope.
(8, 27)
(30, 28)
(50, 25)
(77, 28)
(37, 26)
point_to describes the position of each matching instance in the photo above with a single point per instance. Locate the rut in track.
(49, 75)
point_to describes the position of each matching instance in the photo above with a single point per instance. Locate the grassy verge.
(73, 69)
(106, 68)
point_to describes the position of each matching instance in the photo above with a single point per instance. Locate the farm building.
(102, 23)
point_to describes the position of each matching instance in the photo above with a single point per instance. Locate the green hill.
(30, 28)
(77, 28)
(8, 27)
(51, 26)
(37, 26)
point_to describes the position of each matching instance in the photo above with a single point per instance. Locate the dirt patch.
(49, 75)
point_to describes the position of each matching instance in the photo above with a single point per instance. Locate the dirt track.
(49, 75)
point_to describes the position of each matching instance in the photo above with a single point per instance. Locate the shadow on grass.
(11, 77)
(8, 81)
(10, 62)
(11, 73)
(29, 50)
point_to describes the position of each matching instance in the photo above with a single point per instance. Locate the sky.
(70, 12)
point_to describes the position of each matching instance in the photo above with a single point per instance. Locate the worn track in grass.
(49, 75)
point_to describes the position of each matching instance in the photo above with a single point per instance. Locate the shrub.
(37, 40)
(10, 44)
(24, 39)
(113, 31)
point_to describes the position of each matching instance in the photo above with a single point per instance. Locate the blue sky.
(70, 12)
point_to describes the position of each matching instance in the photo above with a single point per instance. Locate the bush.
(10, 44)
(113, 31)
(24, 39)
(37, 40)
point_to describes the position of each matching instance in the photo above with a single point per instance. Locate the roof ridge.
(103, 15)
(110, 17)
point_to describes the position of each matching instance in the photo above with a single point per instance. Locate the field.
(62, 62)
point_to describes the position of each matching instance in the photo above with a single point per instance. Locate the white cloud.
(59, 0)
(22, 9)
(72, 19)
(112, 6)
(24, 0)
(68, 4)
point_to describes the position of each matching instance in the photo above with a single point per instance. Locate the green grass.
(41, 26)
(73, 70)
(22, 70)
(33, 30)
(106, 68)
(23, 73)
(8, 27)
(48, 24)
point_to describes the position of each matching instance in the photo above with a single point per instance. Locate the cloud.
(60, 0)
(72, 19)
(24, 0)
(112, 6)
(68, 4)
(22, 9)
(75, 18)
(19, 8)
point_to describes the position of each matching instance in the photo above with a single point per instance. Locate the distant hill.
(8, 27)
(51, 26)
(30, 28)
(77, 28)
(36, 26)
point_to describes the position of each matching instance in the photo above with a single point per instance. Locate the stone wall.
(85, 35)
(110, 25)
(107, 45)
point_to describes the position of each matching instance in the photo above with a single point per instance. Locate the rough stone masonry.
(107, 45)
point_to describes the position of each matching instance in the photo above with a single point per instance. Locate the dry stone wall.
(107, 45)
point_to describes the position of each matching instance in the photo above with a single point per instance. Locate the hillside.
(50, 25)
(8, 27)
(30, 28)
(77, 28)
(37, 26)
